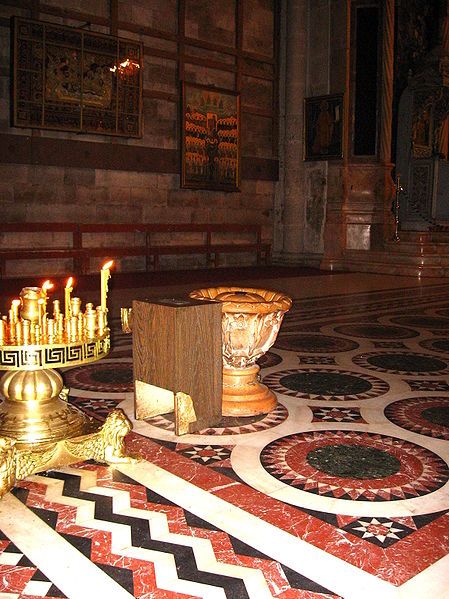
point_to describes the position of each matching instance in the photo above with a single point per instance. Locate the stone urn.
(250, 324)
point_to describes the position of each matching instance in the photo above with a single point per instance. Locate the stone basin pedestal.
(251, 319)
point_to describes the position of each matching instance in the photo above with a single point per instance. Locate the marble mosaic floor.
(341, 491)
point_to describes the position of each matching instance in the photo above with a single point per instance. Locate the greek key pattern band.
(36, 357)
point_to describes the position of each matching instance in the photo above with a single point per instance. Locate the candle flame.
(69, 283)
(107, 265)
(16, 302)
(46, 286)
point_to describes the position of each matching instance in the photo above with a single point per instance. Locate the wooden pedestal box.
(177, 348)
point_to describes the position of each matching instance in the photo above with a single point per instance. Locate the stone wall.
(228, 44)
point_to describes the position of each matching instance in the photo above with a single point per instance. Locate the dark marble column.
(290, 197)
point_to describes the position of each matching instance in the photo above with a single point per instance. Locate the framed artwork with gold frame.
(210, 138)
(323, 127)
(75, 80)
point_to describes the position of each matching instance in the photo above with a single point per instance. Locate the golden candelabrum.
(39, 429)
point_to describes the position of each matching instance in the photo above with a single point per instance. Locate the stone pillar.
(290, 200)
(386, 97)
(386, 101)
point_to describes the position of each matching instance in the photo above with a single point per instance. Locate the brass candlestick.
(39, 429)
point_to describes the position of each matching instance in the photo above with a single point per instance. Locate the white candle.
(105, 274)
(46, 286)
(67, 291)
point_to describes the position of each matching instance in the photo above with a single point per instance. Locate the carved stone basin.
(250, 324)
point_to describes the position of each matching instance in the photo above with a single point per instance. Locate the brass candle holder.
(39, 429)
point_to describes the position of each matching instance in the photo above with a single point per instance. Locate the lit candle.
(15, 310)
(67, 291)
(46, 286)
(105, 274)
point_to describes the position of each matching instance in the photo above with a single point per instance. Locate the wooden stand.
(177, 347)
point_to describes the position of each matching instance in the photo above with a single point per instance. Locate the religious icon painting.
(323, 127)
(210, 138)
(76, 80)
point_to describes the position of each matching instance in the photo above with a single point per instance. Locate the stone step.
(387, 262)
(417, 249)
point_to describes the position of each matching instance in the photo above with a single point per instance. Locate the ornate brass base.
(243, 394)
(35, 409)
(104, 444)
(40, 430)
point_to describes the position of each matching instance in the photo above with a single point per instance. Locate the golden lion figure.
(107, 444)
(8, 454)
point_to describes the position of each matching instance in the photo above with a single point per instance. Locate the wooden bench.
(82, 243)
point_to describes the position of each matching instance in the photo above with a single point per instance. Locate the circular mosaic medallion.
(427, 416)
(402, 363)
(439, 345)
(423, 321)
(325, 384)
(230, 425)
(376, 331)
(354, 465)
(269, 359)
(110, 377)
(314, 342)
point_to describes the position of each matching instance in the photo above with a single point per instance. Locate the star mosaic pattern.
(383, 532)
(206, 454)
(336, 415)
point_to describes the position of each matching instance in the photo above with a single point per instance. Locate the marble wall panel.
(157, 14)
(256, 136)
(258, 23)
(160, 74)
(161, 125)
(206, 54)
(211, 21)
(208, 76)
(257, 92)
(99, 8)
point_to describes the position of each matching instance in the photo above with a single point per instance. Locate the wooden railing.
(79, 248)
